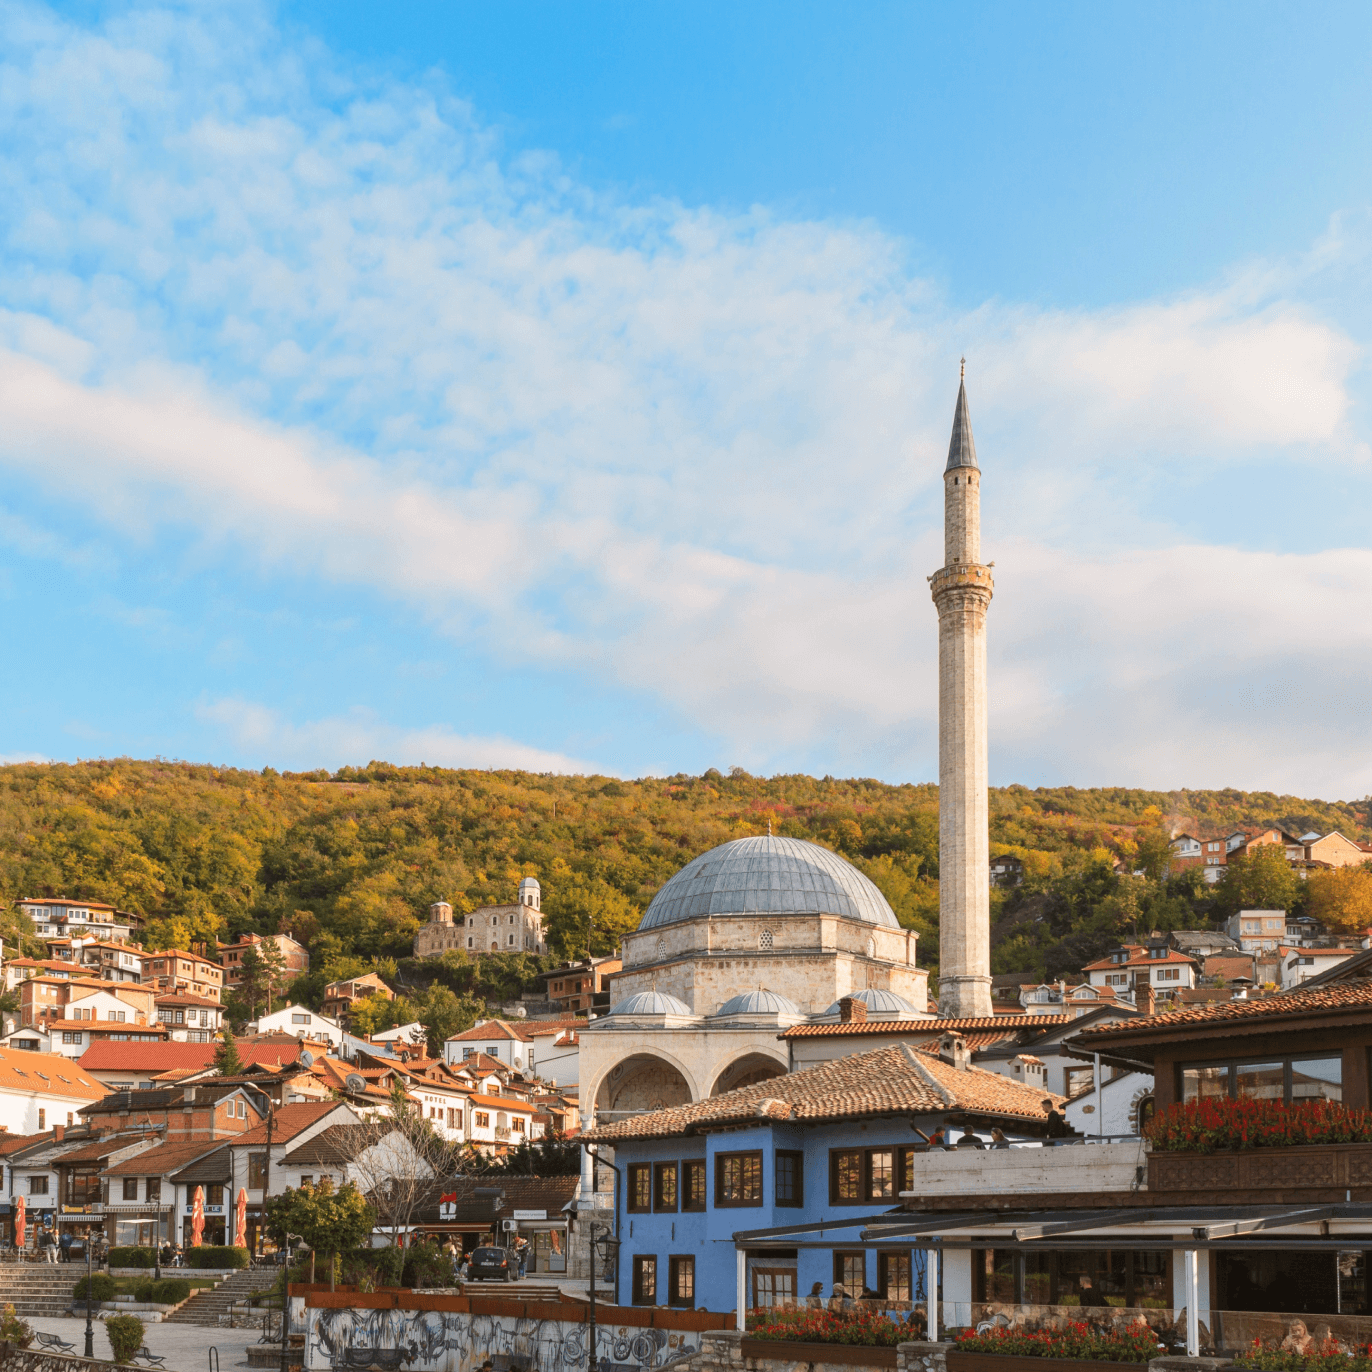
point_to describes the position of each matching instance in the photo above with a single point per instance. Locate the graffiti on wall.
(453, 1341)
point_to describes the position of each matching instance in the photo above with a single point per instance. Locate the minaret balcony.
(974, 574)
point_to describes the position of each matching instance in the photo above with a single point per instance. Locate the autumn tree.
(1341, 899)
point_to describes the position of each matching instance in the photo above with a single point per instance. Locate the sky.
(567, 386)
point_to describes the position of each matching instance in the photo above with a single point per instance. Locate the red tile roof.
(890, 1081)
(166, 1157)
(109, 1056)
(288, 1121)
(1138, 957)
(492, 1029)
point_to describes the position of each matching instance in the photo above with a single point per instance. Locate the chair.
(56, 1343)
(148, 1358)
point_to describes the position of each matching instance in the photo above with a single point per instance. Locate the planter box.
(847, 1354)
(1316, 1166)
(1000, 1362)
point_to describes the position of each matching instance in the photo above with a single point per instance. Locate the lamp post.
(90, 1328)
(286, 1301)
(604, 1247)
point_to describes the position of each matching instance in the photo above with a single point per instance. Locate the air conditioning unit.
(509, 1226)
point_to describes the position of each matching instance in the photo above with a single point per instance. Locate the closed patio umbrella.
(198, 1217)
(240, 1228)
(20, 1216)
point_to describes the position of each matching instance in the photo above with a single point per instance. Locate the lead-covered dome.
(759, 1002)
(879, 1003)
(650, 1003)
(768, 876)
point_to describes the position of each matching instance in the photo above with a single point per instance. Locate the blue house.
(835, 1145)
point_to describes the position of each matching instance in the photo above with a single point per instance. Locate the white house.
(497, 1038)
(40, 1090)
(499, 1123)
(1131, 965)
(555, 1057)
(1121, 1107)
(190, 1019)
(1257, 931)
(303, 1023)
(411, 1033)
(1300, 964)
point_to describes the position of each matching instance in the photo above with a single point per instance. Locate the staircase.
(40, 1289)
(205, 1307)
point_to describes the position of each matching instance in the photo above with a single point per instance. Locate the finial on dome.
(769, 827)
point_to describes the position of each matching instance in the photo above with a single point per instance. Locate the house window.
(664, 1186)
(69, 1037)
(38, 1186)
(881, 1174)
(640, 1187)
(790, 1178)
(42, 1120)
(850, 1272)
(681, 1282)
(130, 1188)
(517, 1124)
(1283, 1079)
(893, 1276)
(307, 1179)
(257, 1170)
(645, 1280)
(693, 1185)
(483, 1119)
(738, 1179)
(214, 1195)
(773, 1286)
(845, 1176)
(300, 1019)
(154, 1189)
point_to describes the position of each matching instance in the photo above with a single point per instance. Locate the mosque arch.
(747, 1070)
(648, 1079)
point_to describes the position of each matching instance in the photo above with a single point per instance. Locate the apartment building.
(173, 970)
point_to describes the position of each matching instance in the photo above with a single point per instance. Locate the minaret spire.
(962, 591)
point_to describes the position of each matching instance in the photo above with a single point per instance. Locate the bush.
(125, 1333)
(1329, 1356)
(1217, 1123)
(1138, 1343)
(213, 1255)
(132, 1257)
(824, 1326)
(168, 1291)
(102, 1288)
(15, 1331)
(426, 1264)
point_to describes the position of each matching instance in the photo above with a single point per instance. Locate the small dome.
(877, 1003)
(768, 876)
(757, 1003)
(649, 1003)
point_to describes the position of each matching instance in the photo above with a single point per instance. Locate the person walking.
(49, 1245)
(65, 1243)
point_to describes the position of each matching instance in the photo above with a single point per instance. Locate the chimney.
(952, 1049)
(852, 1011)
(58, 1131)
(1145, 999)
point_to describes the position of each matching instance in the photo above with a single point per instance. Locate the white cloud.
(261, 732)
(688, 454)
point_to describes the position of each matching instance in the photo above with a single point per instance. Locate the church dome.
(768, 876)
(650, 1003)
(757, 1002)
(878, 1002)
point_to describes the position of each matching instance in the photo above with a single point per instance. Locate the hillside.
(350, 862)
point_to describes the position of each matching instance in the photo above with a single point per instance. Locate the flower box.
(846, 1354)
(1326, 1166)
(1013, 1362)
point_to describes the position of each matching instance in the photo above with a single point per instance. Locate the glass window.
(664, 1186)
(257, 1170)
(1201, 1082)
(38, 1186)
(738, 1179)
(773, 1286)
(845, 1185)
(682, 1282)
(1038, 1278)
(1260, 1080)
(790, 1175)
(850, 1272)
(154, 1191)
(881, 1181)
(693, 1185)
(214, 1195)
(994, 1275)
(130, 1188)
(1317, 1079)
(640, 1187)
(645, 1280)
(893, 1276)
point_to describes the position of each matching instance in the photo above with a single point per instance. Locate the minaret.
(962, 592)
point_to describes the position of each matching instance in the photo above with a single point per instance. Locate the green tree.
(328, 1221)
(264, 973)
(1261, 879)
(226, 1060)
(586, 913)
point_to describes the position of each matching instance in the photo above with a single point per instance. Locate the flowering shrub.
(1138, 1343)
(827, 1326)
(1324, 1357)
(1216, 1123)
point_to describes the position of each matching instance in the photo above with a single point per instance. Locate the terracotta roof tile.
(109, 1056)
(50, 1073)
(288, 1121)
(166, 1157)
(1001, 1025)
(890, 1081)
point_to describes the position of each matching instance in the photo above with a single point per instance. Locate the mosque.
(764, 933)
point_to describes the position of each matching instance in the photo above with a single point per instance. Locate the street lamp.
(286, 1298)
(90, 1328)
(605, 1246)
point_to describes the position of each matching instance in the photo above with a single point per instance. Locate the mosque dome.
(757, 1002)
(878, 1003)
(768, 876)
(650, 1003)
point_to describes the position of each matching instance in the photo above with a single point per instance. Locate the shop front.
(506, 1211)
(216, 1217)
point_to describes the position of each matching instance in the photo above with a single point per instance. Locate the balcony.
(502, 1133)
(1024, 1169)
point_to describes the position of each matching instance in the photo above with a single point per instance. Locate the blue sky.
(566, 386)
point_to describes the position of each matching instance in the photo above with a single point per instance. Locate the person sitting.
(969, 1139)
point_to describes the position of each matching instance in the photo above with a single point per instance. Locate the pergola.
(1187, 1230)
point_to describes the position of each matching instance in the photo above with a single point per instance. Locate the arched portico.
(747, 1070)
(643, 1081)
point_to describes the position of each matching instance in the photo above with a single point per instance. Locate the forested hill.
(350, 862)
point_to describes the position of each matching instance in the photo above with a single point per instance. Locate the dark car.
(493, 1263)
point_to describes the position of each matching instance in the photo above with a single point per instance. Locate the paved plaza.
(185, 1346)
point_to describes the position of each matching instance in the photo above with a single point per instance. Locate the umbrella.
(19, 1217)
(240, 1236)
(198, 1217)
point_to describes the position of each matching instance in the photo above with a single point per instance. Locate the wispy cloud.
(322, 325)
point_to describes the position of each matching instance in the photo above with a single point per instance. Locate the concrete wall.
(1075, 1167)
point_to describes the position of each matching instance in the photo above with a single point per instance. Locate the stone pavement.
(185, 1346)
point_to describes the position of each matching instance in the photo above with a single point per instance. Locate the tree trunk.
(311, 1266)
(333, 1270)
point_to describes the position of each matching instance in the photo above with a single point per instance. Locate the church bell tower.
(962, 590)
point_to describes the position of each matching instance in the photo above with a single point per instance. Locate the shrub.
(132, 1257)
(15, 1331)
(426, 1264)
(102, 1288)
(1326, 1357)
(825, 1326)
(214, 1255)
(1138, 1343)
(125, 1333)
(1217, 1123)
(168, 1291)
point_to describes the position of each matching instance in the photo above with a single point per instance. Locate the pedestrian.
(523, 1257)
(65, 1242)
(49, 1246)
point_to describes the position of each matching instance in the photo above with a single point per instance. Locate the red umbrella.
(198, 1217)
(241, 1219)
(19, 1218)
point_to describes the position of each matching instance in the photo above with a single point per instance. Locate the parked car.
(493, 1264)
